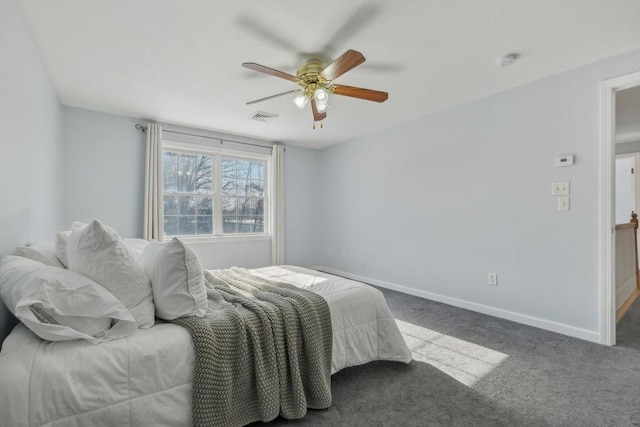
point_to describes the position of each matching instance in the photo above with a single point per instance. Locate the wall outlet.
(330, 251)
(493, 279)
(345, 254)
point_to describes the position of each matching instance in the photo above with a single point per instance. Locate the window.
(188, 194)
(242, 196)
(213, 193)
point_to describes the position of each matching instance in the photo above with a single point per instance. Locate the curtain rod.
(222, 140)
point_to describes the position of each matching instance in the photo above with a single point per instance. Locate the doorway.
(608, 91)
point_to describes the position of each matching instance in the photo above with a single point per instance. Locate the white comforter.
(145, 379)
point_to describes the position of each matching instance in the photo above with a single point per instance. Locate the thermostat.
(564, 161)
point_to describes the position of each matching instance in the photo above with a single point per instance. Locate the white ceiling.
(180, 61)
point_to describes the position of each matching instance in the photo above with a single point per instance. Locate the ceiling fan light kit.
(321, 95)
(322, 107)
(314, 79)
(301, 100)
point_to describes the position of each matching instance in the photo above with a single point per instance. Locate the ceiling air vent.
(261, 116)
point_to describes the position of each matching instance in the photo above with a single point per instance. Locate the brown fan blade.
(317, 116)
(358, 92)
(262, 69)
(347, 61)
(273, 96)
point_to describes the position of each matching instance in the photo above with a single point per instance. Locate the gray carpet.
(628, 328)
(471, 369)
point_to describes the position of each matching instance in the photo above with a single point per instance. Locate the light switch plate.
(563, 204)
(560, 188)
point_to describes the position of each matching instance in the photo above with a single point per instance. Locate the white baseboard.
(525, 319)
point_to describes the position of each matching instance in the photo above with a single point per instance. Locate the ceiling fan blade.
(317, 116)
(347, 61)
(273, 96)
(358, 92)
(262, 69)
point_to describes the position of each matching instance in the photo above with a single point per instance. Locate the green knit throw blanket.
(262, 350)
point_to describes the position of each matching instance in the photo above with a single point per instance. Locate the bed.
(146, 378)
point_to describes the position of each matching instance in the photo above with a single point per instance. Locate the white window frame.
(217, 153)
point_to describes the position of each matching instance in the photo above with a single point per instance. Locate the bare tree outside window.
(189, 194)
(243, 196)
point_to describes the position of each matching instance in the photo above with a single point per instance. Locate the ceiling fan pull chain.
(314, 124)
(321, 126)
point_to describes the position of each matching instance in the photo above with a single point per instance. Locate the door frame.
(608, 89)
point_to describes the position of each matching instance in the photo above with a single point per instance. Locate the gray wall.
(301, 206)
(104, 173)
(30, 143)
(434, 205)
(30, 139)
(104, 178)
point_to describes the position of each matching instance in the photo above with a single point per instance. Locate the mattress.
(145, 379)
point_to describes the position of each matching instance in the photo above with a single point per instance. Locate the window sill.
(220, 239)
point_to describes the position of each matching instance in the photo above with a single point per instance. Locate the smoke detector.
(508, 59)
(261, 116)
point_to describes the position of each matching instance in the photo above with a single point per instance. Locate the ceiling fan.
(314, 79)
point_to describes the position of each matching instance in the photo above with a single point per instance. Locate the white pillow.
(97, 252)
(176, 279)
(137, 245)
(44, 252)
(60, 305)
(61, 242)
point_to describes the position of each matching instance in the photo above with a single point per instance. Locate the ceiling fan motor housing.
(309, 77)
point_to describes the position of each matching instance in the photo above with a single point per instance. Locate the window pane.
(256, 189)
(256, 224)
(257, 171)
(243, 215)
(186, 225)
(250, 206)
(228, 206)
(169, 171)
(187, 205)
(228, 187)
(204, 205)
(242, 177)
(229, 224)
(203, 174)
(229, 168)
(228, 176)
(242, 169)
(186, 175)
(170, 205)
(243, 206)
(204, 225)
(171, 225)
(245, 224)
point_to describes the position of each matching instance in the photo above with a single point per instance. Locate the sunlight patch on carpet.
(464, 361)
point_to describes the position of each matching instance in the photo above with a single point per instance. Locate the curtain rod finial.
(140, 127)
